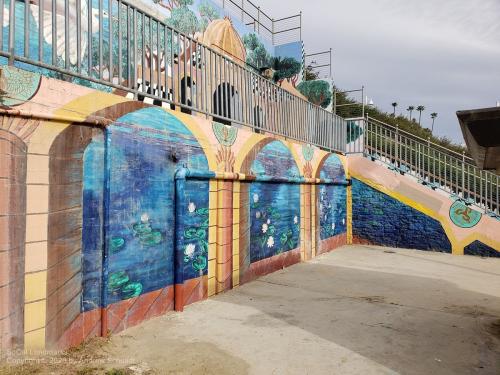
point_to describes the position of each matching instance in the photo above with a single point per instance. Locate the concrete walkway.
(357, 310)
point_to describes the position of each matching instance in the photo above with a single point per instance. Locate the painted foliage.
(274, 207)
(141, 161)
(332, 199)
(383, 220)
(193, 229)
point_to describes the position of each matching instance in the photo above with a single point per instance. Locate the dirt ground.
(357, 310)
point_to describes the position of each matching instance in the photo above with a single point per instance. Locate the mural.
(274, 208)
(100, 235)
(381, 220)
(464, 216)
(194, 229)
(479, 248)
(142, 159)
(332, 199)
(203, 20)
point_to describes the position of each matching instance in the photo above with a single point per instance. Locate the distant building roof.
(481, 131)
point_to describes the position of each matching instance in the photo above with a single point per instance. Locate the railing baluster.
(110, 42)
(54, 32)
(78, 36)
(26, 28)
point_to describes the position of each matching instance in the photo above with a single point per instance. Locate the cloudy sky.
(443, 54)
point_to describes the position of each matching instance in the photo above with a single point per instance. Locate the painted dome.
(223, 37)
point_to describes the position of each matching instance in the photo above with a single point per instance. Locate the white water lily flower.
(333, 226)
(264, 228)
(270, 241)
(343, 221)
(144, 218)
(189, 250)
(191, 207)
(268, 221)
(255, 198)
(295, 219)
(257, 214)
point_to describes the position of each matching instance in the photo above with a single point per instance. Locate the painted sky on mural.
(441, 54)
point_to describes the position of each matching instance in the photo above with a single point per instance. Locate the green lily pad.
(131, 290)
(200, 263)
(116, 244)
(142, 228)
(151, 239)
(117, 280)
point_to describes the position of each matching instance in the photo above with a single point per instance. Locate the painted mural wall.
(203, 20)
(120, 211)
(391, 209)
(332, 205)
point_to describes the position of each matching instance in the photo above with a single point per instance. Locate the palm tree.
(433, 117)
(394, 105)
(410, 109)
(420, 109)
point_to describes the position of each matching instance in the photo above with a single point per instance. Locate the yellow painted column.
(236, 233)
(302, 225)
(349, 214)
(212, 237)
(314, 238)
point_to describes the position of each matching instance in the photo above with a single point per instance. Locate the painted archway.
(331, 205)
(269, 236)
(124, 179)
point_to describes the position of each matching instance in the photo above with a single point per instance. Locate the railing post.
(396, 146)
(243, 11)
(258, 19)
(12, 30)
(362, 101)
(463, 176)
(272, 31)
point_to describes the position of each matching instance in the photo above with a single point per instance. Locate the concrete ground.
(358, 310)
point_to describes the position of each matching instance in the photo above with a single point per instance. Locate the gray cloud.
(442, 54)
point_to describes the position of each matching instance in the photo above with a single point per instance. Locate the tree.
(183, 18)
(257, 55)
(433, 117)
(410, 109)
(310, 73)
(286, 68)
(207, 14)
(317, 92)
(420, 109)
(394, 112)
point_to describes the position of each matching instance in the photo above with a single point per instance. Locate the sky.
(443, 54)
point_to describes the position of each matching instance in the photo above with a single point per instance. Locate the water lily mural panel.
(141, 160)
(332, 199)
(194, 229)
(274, 207)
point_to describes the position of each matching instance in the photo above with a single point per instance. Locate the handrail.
(119, 46)
(408, 134)
(411, 155)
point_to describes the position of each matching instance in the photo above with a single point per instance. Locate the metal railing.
(117, 46)
(278, 31)
(432, 164)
